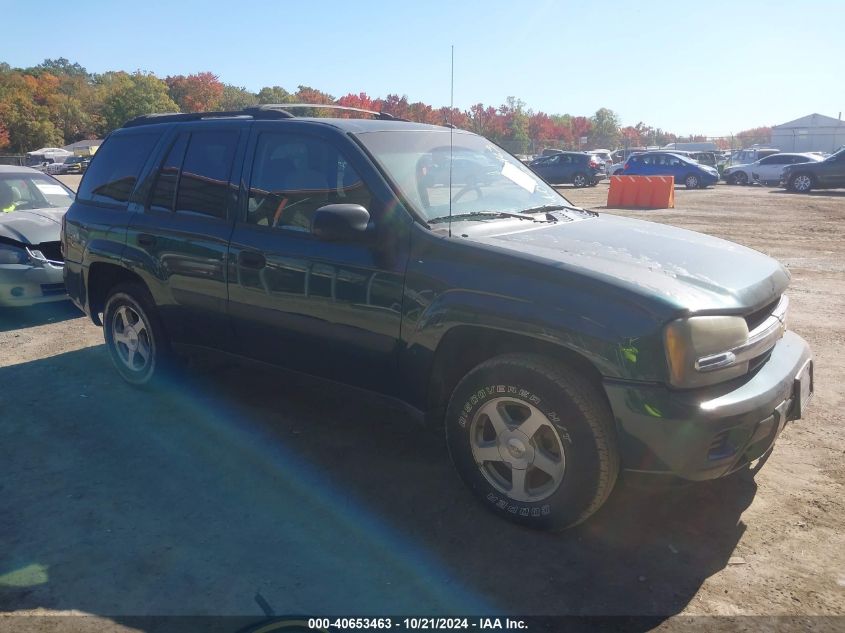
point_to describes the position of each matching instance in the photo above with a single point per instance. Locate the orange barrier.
(641, 192)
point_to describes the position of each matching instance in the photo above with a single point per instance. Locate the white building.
(812, 133)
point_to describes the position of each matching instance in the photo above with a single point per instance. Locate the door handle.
(251, 259)
(145, 239)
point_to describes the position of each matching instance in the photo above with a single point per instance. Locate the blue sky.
(712, 67)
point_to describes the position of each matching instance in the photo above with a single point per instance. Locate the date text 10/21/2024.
(431, 624)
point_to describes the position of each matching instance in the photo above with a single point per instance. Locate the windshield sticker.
(48, 189)
(518, 177)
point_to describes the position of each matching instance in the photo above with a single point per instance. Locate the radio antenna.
(451, 129)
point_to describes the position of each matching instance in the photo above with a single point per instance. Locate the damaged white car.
(31, 264)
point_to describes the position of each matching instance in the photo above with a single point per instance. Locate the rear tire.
(580, 180)
(534, 440)
(134, 336)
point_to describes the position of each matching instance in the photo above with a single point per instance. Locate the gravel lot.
(238, 481)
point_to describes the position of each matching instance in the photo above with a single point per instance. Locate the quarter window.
(113, 172)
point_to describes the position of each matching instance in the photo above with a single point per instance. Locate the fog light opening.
(17, 291)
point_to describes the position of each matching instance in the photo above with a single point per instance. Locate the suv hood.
(33, 226)
(688, 270)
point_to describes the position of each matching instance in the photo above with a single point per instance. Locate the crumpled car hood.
(32, 226)
(690, 270)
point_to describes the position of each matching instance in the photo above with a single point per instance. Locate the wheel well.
(464, 347)
(811, 175)
(102, 277)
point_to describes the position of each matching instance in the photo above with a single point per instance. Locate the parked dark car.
(75, 165)
(692, 174)
(825, 174)
(576, 168)
(555, 345)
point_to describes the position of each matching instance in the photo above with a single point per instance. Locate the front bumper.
(25, 285)
(708, 433)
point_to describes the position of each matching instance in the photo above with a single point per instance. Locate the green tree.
(123, 96)
(605, 131)
(60, 66)
(516, 122)
(275, 94)
(236, 98)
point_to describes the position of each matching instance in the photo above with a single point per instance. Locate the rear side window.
(204, 183)
(164, 190)
(113, 172)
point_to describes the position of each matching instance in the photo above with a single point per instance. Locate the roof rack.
(263, 111)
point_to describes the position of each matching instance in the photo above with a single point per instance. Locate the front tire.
(533, 440)
(134, 335)
(692, 182)
(580, 180)
(739, 178)
(801, 183)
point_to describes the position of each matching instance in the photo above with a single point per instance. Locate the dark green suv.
(555, 346)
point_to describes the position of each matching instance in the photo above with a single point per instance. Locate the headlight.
(12, 255)
(689, 342)
(706, 350)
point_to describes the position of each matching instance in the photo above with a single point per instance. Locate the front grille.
(51, 290)
(758, 316)
(51, 250)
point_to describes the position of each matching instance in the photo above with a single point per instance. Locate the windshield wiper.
(488, 214)
(550, 207)
(559, 207)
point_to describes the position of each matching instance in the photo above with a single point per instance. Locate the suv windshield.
(23, 191)
(484, 177)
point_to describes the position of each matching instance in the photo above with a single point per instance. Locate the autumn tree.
(757, 135)
(397, 106)
(195, 93)
(24, 114)
(581, 128)
(486, 121)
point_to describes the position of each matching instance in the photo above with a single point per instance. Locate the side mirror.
(340, 222)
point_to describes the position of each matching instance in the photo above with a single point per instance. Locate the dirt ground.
(236, 482)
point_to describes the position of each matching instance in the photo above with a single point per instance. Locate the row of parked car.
(799, 172)
(584, 169)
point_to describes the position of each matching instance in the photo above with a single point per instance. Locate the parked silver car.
(31, 264)
(767, 170)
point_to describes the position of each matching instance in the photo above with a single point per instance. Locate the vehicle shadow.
(17, 318)
(820, 193)
(193, 497)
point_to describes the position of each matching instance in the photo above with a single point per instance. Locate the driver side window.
(294, 175)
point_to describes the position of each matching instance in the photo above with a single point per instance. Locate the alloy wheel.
(132, 339)
(517, 449)
(802, 183)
